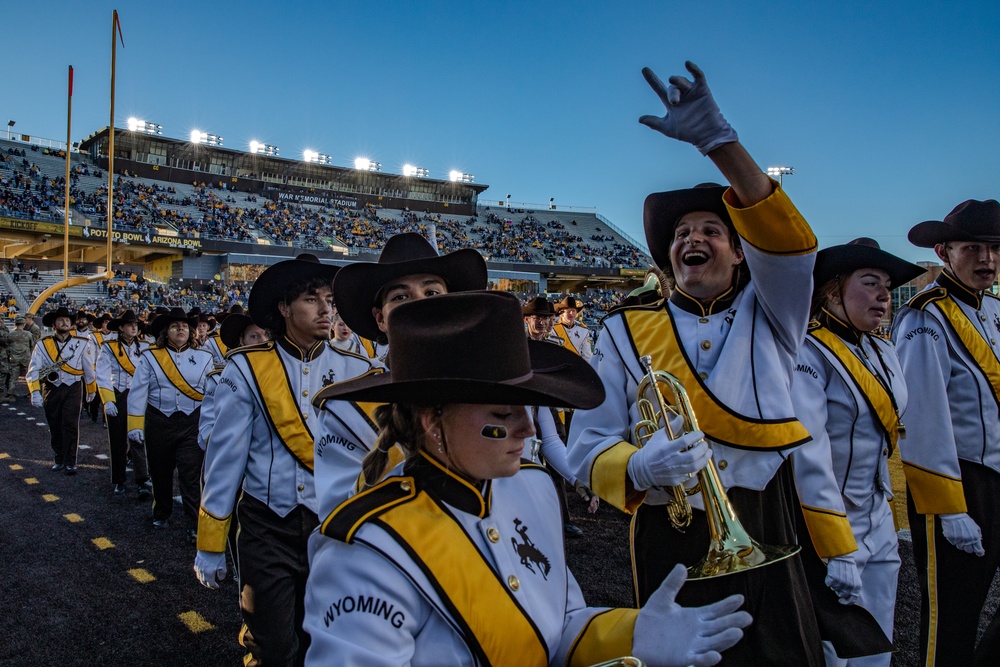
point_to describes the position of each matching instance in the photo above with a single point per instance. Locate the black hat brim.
(232, 329)
(559, 378)
(929, 233)
(163, 321)
(847, 258)
(267, 291)
(358, 285)
(662, 210)
(48, 319)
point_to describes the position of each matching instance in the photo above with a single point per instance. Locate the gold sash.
(280, 405)
(369, 347)
(493, 623)
(873, 390)
(564, 337)
(53, 352)
(981, 353)
(169, 368)
(653, 332)
(218, 341)
(124, 360)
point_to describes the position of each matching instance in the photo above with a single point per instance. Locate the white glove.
(697, 635)
(665, 462)
(843, 578)
(692, 114)
(210, 568)
(110, 409)
(90, 396)
(136, 435)
(36, 399)
(962, 531)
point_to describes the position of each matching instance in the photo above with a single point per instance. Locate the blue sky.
(888, 111)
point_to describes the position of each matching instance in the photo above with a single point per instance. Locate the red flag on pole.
(118, 25)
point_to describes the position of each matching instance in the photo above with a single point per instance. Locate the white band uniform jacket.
(345, 435)
(152, 385)
(245, 445)
(743, 349)
(578, 335)
(937, 361)
(113, 364)
(206, 418)
(371, 602)
(78, 354)
(212, 347)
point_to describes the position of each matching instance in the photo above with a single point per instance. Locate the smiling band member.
(948, 339)
(742, 259)
(263, 439)
(849, 392)
(457, 557)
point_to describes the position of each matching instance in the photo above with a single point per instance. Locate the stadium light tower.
(10, 124)
(312, 156)
(780, 172)
(258, 148)
(411, 170)
(199, 137)
(143, 126)
(364, 164)
(456, 176)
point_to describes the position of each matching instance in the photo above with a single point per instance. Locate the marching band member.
(215, 345)
(59, 390)
(849, 392)
(345, 339)
(742, 259)
(265, 443)
(538, 320)
(408, 269)
(457, 557)
(573, 334)
(948, 340)
(163, 407)
(115, 369)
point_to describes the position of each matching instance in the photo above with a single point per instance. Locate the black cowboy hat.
(662, 210)
(103, 317)
(539, 306)
(128, 317)
(175, 315)
(568, 302)
(84, 315)
(862, 253)
(233, 328)
(445, 350)
(269, 288)
(972, 220)
(358, 286)
(48, 319)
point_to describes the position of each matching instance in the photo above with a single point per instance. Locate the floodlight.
(418, 172)
(458, 177)
(258, 147)
(780, 172)
(199, 137)
(364, 164)
(144, 127)
(312, 156)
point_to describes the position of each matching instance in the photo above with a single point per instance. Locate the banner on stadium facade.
(632, 272)
(314, 198)
(16, 224)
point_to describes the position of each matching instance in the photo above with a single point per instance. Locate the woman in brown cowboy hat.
(849, 392)
(457, 556)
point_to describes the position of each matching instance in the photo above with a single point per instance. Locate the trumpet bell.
(627, 661)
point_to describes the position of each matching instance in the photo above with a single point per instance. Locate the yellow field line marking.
(4, 455)
(141, 575)
(73, 518)
(103, 543)
(31, 480)
(16, 466)
(195, 622)
(50, 497)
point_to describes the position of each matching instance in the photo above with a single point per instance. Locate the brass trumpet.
(730, 549)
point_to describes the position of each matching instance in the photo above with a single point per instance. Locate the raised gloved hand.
(90, 396)
(110, 409)
(668, 634)
(665, 462)
(136, 435)
(692, 115)
(36, 399)
(962, 531)
(210, 568)
(589, 497)
(843, 578)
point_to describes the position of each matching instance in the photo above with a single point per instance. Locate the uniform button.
(723, 464)
(305, 415)
(493, 534)
(302, 487)
(993, 341)
(405, 486)
(305, 371)
(513, 583)
(305, 392)
(703, 320)
(982, 318)
(706, 344)
(885, 452)
(703, 375)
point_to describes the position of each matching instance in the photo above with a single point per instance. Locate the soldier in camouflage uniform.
(5, 365)
(32, 328)
(20, 343)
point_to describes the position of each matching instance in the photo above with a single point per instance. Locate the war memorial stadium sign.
(316, 198)
(148, 238)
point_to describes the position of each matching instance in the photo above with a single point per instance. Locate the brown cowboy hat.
(49, 318)
(861, 253)
(445, 350)
(662, 210)
(357, 287)
(232, 329)
(175, 315)
(128, 317)
(568, 302)
(972, 220)
(269, 289)
(539, 306)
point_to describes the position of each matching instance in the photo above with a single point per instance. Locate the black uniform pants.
(954, 584)
(785, 630)
(62, 412)
(122, 448)
(273, 567)
(172, 443)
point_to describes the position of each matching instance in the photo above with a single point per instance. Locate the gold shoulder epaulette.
(350, 515)
(259, 347)
(631, 303)
(813, 325)
(924, 299)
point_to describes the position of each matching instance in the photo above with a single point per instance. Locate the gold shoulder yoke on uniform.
(350, 515)
(635, 305)
(259, 347)
(348, 353)
(924, 299)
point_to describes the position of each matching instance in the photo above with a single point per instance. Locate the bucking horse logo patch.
(528, 552)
